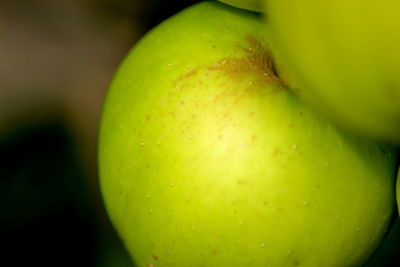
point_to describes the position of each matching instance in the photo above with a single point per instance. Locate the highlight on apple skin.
(207, 159)
(343, 58)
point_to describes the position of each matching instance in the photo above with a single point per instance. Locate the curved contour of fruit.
(206, 159)
(343, 58)
(252, 5)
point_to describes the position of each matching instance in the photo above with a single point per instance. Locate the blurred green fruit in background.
(343, 57)
(206, 159)
(252, 5)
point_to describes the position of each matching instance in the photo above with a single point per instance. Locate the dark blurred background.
(57, 58)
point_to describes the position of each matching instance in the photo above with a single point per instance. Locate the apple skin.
(205, 159)
(343, 58)
(252, 5)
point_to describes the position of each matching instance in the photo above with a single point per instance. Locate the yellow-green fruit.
(252, 5)
(343, 57)
(207, 160)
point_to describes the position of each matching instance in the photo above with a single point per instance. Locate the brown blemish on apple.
(154, 257)
(185, 76)
(276, 151)
(241, 182)
(257, 63)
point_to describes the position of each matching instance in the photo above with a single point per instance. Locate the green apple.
(206, 159)
(343, 58)
(252, 5)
